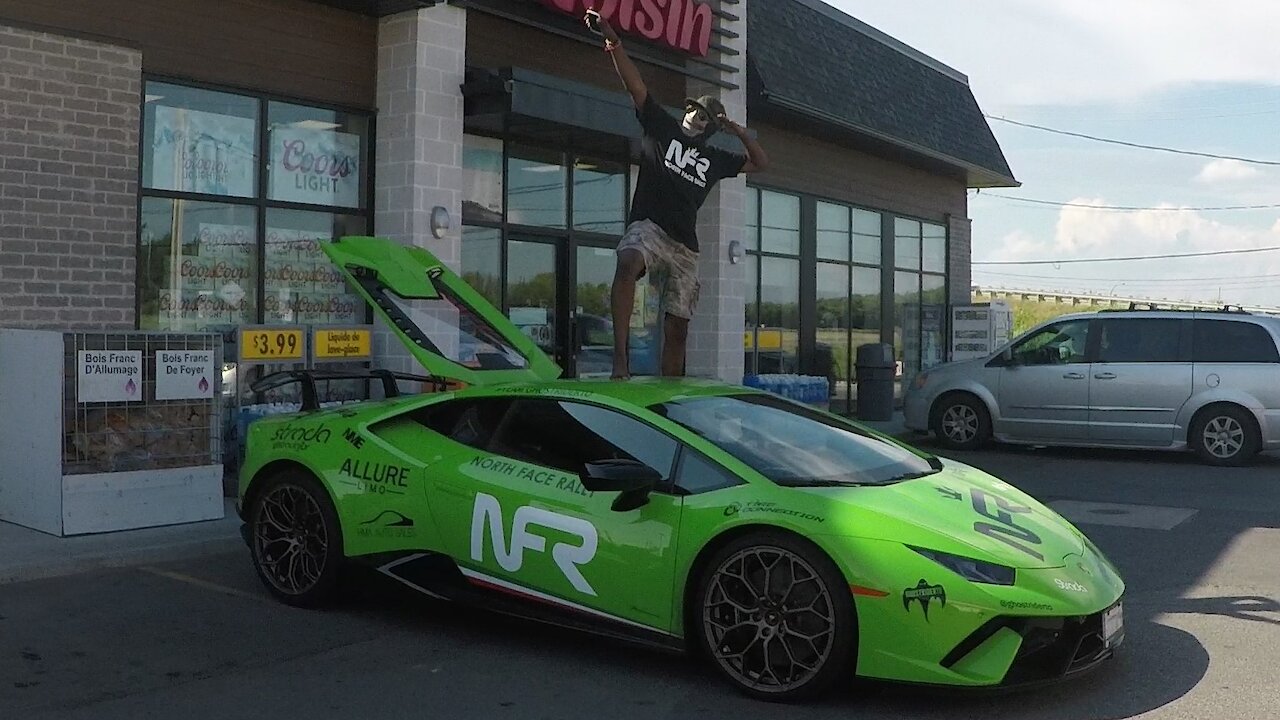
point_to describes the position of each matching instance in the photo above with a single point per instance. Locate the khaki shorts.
(671, 267)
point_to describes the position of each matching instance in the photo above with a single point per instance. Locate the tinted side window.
(565, 435)
(697, 474)
(1227, 341)
(470, 422)
(1055, 344)
(1135, 340)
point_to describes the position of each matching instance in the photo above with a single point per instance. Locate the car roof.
(1270, 320)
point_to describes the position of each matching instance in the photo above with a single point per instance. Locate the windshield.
(793, 445)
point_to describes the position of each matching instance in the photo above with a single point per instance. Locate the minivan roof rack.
(1151, 306)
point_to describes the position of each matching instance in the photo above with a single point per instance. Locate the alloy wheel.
(960, 423)
(290, 539)
(1223, 437)
(769, 619)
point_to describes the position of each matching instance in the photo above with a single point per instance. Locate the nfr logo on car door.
(517, 518)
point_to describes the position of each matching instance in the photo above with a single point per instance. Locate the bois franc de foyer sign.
(682, 24)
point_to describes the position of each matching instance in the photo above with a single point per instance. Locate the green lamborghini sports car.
(791, 548)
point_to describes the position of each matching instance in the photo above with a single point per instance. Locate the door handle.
(1105, 376)
(1074, 376)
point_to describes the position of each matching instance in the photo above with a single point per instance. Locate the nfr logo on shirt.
(682, 159)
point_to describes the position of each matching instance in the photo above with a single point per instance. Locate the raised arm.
(757, 160)
(627, 70)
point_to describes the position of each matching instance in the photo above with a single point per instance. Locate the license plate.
(1113, 624)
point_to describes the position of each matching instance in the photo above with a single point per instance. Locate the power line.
(1125, 259)
(1128, 207)
(1130, 144)
(1107, 280)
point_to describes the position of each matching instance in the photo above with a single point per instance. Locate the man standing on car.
(678, 168)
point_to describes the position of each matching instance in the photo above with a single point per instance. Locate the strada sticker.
(488, 511)
(387, 524)
(375, 477)
(1071, 585)
(923, 593)
(299, 438)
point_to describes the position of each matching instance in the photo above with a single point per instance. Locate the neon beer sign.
(682, 24)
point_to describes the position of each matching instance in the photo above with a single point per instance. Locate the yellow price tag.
(343, 343)
(272, 344)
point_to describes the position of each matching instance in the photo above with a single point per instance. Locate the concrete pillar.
(715, 335)
(421, 63)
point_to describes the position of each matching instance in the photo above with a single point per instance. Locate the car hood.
(960, 510)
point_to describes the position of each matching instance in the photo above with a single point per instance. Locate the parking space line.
(180, 577)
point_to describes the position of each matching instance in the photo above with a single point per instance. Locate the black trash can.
(876, 368)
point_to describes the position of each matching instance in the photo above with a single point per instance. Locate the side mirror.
(633, 480)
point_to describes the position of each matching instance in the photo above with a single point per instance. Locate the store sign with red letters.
(682, 24)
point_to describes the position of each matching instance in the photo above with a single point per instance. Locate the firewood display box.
(110, 431)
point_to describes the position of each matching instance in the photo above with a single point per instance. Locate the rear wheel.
(295, 540)
(1225, 435)
(961, 422)
(775, 616)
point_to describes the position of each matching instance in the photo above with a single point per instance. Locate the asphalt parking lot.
(199, 638)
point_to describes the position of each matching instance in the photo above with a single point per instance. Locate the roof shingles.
(814, 56)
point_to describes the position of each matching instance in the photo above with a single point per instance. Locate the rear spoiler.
(308, 379)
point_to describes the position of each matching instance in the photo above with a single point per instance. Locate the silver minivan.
(1158, 379)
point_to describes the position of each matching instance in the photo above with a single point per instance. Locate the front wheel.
(961, 422)
(1225, 435)
(295, 540)
(776, 617)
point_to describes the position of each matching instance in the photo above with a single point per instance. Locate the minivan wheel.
(961, 422)
(1225, 435)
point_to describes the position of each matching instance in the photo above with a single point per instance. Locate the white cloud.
(1091, 233)
(1073, 52)
(1218, 171)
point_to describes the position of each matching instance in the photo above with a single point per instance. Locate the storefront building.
(172, 165)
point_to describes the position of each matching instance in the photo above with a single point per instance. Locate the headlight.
(970, 569)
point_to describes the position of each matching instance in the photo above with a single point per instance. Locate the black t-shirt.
(676, 173)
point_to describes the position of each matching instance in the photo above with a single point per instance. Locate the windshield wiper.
(912, 476)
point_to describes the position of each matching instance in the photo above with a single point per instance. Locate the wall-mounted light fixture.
(439, 221)
(735, 251)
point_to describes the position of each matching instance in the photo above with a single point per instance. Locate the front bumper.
(915, 411)
(1049, 649)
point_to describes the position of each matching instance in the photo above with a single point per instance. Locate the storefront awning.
(546, 108)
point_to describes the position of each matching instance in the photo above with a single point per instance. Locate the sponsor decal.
(387, 524)
(353, 437)
(532, 473)
(1071, 585)
(688, 163)
(1016, 605)
(1006, 531)
(375, 477)
(949, 493)
(299, 438)
(755, 506)
(567, 556)
(923, 593)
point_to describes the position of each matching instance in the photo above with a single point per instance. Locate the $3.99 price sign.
(271, 343)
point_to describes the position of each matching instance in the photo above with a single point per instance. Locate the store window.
(920, 296)
(482, 262)
(599, 196)
(537, 187)
(318, 156)
(199, 265)
(482, 192)
(217, 249)
(772, 339)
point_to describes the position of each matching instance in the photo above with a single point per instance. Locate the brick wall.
(68, 181)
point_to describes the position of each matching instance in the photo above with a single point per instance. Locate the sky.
(1190, 75)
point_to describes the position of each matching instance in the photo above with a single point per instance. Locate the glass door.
(533, 293)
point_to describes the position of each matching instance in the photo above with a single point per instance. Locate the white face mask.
(695, 122)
